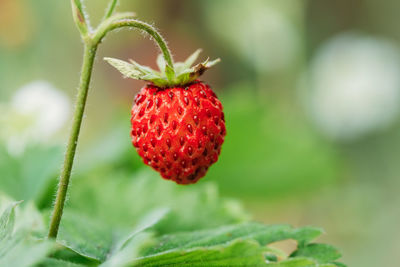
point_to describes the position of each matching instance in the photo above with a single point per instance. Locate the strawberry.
(178, 124)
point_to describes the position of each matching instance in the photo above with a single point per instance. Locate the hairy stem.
(87, 66)
(112, 24)
(79, 16)
(110, 9)
(92, 40)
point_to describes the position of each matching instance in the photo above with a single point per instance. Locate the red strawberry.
(178, 125)
(178, 131)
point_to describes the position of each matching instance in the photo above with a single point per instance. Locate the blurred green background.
(311, 91)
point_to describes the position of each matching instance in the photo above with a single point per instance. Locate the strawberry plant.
(177, 128)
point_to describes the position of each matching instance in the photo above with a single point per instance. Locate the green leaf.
(7, 221)
(128, 248)
(85, 236)
(130, 251)
(29, 218)
(323, 253)
(147, 222)
(306, 234)
(17, 246)
(23, 251)
(191, 207)
(50, 262)
(96, 241)
(298, 262)
(339, 264)
(272, 254)
(65, 254)
(26, 177)
(263, 234)
(251, 232)
(238, 253)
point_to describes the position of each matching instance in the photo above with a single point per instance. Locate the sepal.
(180, 74)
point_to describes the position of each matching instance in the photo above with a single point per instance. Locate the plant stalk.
(87, 66)
(91, 41)
(117, 23)
(110, 9)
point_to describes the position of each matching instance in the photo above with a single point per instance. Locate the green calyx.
(180, 74)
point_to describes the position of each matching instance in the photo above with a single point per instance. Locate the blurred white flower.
(264, 34)
(355, 85)
(35, 114)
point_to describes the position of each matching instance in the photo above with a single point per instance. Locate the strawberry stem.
(80, 17)
(110, 9)
(91, 40)
(115, 23)
(87, 65)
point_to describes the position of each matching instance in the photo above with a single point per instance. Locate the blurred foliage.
(122, 199)
(262, 158)
(88, 242)
(167, 222)
(25, 177)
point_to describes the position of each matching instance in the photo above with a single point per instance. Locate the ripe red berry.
(178, 125)
(178, 131)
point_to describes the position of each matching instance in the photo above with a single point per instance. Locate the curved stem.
(87, 66)
(92, 40)
(116, 23)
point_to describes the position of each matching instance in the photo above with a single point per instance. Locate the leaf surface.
(238, 253)
(323, 253)
(263, 234)
(19, 248)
